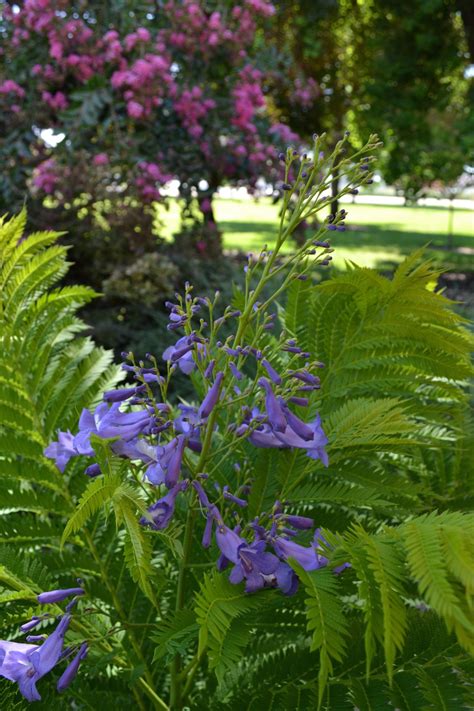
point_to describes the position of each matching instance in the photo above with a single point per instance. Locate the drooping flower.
(187, 423)
(122, 394)
(34, 622)
(286, 579)
(272, 373)
(69, 674)
(251, 562)
(166, 462)
(161, 512)
(211, 398)
(304, 555)
(106, 422)
(62, 450)
(275, 415)
(109, 422)
(93, 470)
(283, 428)
(301, 522)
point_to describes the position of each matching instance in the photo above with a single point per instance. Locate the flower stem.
(175, 700)
(159, 703)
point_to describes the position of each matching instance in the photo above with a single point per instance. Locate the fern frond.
(325, 620)
(218, 605)
(97, 495)
(440, 552)
(175, 635)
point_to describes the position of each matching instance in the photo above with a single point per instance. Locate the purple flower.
(209, 369)
(165, 461)
(295, 433)
(109, 422)
(122, 394)
(251, 562)
(202, 495)
(69, 674)
(306, 377)
(207, 535)
(93, 470)
(27, 663)
(161, 512)
(106, 422)
(62, 450)
(286, 579)
(46, 598)
(235, 499)
(34, 622)
(187, 423)
(210, 401)
(305, 556)
(301, 522)
(272, 373)
(182, 353)
(15, 665)
(235, 371)
(275, 414)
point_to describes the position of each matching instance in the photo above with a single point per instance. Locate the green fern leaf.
(326, 620)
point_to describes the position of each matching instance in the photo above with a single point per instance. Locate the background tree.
(395, 67)
(143, 92)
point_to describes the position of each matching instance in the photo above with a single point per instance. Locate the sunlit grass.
(377, 234)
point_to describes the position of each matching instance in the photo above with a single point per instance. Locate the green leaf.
(218, 605)
(97, 495)
(326, 620)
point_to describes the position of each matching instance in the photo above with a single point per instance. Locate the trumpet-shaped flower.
(160, 513)
(284, 429)
(251, 562)
(166, 462)
(182, 353)
(51, 596)
(69, 674)
(26, 664)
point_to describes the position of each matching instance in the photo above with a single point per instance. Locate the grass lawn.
(378, 235)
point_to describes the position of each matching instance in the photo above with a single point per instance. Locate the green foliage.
(219, 605)
(393, 393)
(325, 619)
(394, 403)
(394, 629)
(363, 54)
(175, 635)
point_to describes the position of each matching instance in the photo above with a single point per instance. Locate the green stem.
(175, 700)
(118, 606)
(191, 675)
(158, 701)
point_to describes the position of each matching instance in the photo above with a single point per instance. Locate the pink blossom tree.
(142, 93)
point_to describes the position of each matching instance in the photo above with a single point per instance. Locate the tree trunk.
(210, 246)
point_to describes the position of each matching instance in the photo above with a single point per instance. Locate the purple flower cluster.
(251, 560)
(279, 427)
(26, 664)
(106, 422)
(258, 554)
